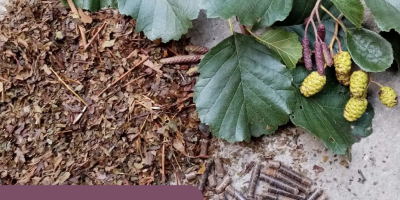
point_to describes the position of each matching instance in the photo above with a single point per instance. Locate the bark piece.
(295, 175)
(203, 147)
(204, 176)
(277, 191)
(221, 196)
(219, 167)
(225, 182)
(212, 181)
(315, 194)
(234, 193)
(274, 173)
(278, 183)
(254, 179)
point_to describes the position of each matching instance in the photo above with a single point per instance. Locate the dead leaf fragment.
(84, 17)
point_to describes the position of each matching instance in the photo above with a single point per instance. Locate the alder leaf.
(322, 114)
(386, 13)
(353, 10)
(286, 44)
(250, 12)
(370, 51)
(166, 19)
(243, 90)
(93, 5)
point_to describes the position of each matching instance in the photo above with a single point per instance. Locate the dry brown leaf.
(202, 169)
(178, 145)
(62, 178)
(19, 156)
(84, 17)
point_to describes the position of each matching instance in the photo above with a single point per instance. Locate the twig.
(219, 167)
(333, 17)
(95, 35)
(212, 181)
(3, 79)
(163, 164)
(254, 179)
(80, 115)
(69, 88)
(234, 193)
(380, 85)
(82, 31)
(116, 81)
(203, 147)
(225, 182)
(134, 80)
(2, 91)
(204, 176)
(72, 6)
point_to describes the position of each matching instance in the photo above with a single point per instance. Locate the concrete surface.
(376, 157)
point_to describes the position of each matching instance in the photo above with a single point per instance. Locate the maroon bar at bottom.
(156, 192)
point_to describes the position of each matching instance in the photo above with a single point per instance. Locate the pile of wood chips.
(283, 183)
(85, 100)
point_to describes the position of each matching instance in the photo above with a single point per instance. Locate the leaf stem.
(333, 38)
(317, 38)
(333, 17)
(380, 85)
(230, 24)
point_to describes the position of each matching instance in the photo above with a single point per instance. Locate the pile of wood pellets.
(283, 183)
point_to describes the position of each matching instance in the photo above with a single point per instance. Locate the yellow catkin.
(313, 84)
(342, 61)
(388, 97)
(359, 84)
(355, 108)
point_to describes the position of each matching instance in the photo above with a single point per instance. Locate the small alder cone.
(388, 97)
(181, 59)
(196, 49)
(307, 53)
(355, 108)
(342, 62)
(359, 84)
(313, 84)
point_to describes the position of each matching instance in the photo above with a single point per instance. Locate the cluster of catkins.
(358, 80)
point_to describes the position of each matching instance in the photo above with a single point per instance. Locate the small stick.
(274, 190)
(69, 88)
(221, 196)
(134, 80)
(254, 179)
(203, 147)
(72, 6)
(80, 115)
(212, 181)
(225, 182)
(295, 175)
(279, 184)
(315, 194)
(323, 196)
(267, 196)
(3, 79)
(219, 167)
(163, 164)
(95, 35)
(82, 31)
(274, 173)
(2, 91)
(204, 176)
(116, 81)
(234, 193)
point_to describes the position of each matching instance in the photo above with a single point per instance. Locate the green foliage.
(166, 19)
(93, 5)
(386, 13)
(301, 10)
(243, 90)
(250, 12)
(322, 114)
(394, 38)
(370, 51)
(353, 10)
(286, 44)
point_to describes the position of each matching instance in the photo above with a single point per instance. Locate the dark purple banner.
(100, 192)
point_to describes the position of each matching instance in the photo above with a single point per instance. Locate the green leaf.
(394, 38)
(93, 5)
(166, 19)
(284, 43)
(386, 13)
(353, 10)
(243, 90)
(330, 30)
(322, 114)
(263, 13)
(370, 51)
(302, 11)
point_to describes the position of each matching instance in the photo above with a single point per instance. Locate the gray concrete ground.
(377, 158)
